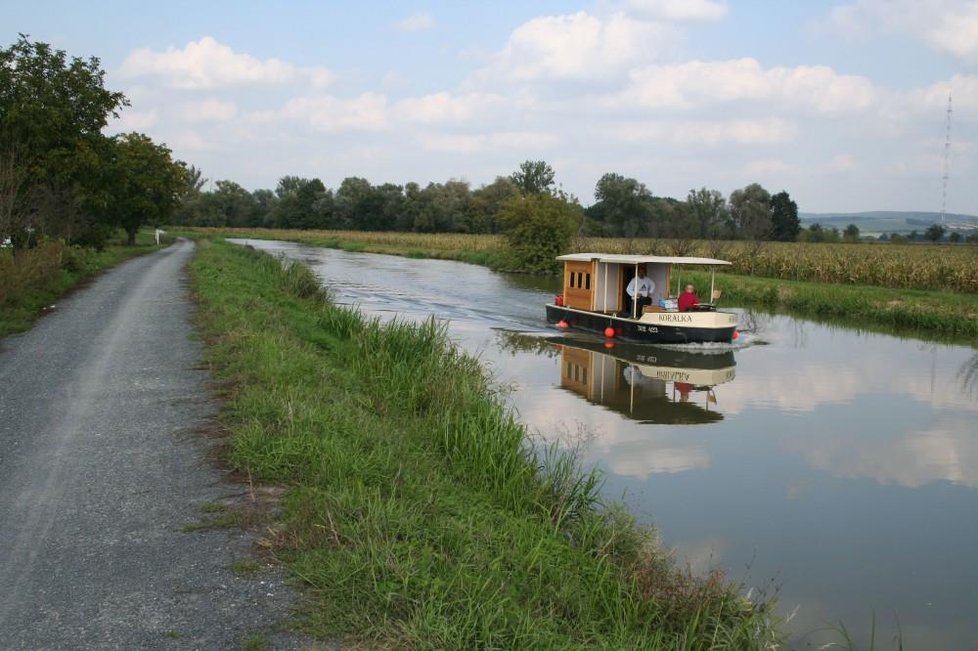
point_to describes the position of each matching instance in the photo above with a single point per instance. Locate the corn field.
(385, 239)
(927, 267)
(910, 266)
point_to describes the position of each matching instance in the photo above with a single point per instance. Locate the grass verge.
(30, 280)
(942, 316)
(417, 513)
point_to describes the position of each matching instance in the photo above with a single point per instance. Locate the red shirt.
(687, 300)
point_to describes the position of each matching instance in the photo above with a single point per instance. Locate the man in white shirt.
(640, 290)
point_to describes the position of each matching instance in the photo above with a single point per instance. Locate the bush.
(537, 229)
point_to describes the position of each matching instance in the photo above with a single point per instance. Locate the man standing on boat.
(640, 290)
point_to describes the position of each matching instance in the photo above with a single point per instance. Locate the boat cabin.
(597, 283)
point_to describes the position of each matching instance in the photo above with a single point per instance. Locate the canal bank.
(416, 514)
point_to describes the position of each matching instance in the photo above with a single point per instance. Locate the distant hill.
(888, 221)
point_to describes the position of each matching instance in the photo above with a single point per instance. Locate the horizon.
(844, 105)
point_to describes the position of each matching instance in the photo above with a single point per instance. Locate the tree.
(534, 177)
(785, 225)
(623, 204)
(189, 210)
(750, 208)
(708, 210)
(146, 183)
(851, 233)
(537, 229)
(265, 201)
(296, 198)
(53, 155)
(489, 198)
(235, 204)
(934, 232)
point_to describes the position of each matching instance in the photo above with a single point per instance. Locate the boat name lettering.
(675, 376)
(679, 318)
(643, 328)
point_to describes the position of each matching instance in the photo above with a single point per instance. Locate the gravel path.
(101, 472)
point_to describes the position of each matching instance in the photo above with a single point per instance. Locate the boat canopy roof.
(621, 258)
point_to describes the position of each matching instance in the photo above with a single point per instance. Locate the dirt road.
(101, 473)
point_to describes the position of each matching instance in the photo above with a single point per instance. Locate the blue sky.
(842, 104)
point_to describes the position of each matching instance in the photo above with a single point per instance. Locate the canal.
(834, 468)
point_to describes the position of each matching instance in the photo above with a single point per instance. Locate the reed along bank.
(417, 513)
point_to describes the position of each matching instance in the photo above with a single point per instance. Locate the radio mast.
(947, 160)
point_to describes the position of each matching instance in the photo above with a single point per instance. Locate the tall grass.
(32, 279)
(927, 315)
(418, 515)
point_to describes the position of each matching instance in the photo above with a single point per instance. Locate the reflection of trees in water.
(751, 321)
(518, 342)
(552, 284)
(968, 375)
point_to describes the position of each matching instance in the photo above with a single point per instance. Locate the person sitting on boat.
(688, 299)
(640, 289)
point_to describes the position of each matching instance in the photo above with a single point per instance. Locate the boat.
(594, 300)
(644, 383)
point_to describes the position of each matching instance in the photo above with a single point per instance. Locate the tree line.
(623, 207)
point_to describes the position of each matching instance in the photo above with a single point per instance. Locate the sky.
(843, 104)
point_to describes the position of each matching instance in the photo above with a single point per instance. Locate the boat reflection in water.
(649, 384)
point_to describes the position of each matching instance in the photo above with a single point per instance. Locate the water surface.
(839, 467)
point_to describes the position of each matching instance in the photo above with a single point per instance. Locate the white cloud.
(416, 23)
(679, 10)
(841, 164)
(192, 140)
(443, 107)
(367, 112)
(207, 64)
(130, 120)
(477, 143)
(760, 131)
(211, 110)
(704, 83)
(946, 25)
(768, 166)
(958, 33)
(578, 47)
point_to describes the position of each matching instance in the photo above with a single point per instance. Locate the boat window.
(587, 281)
